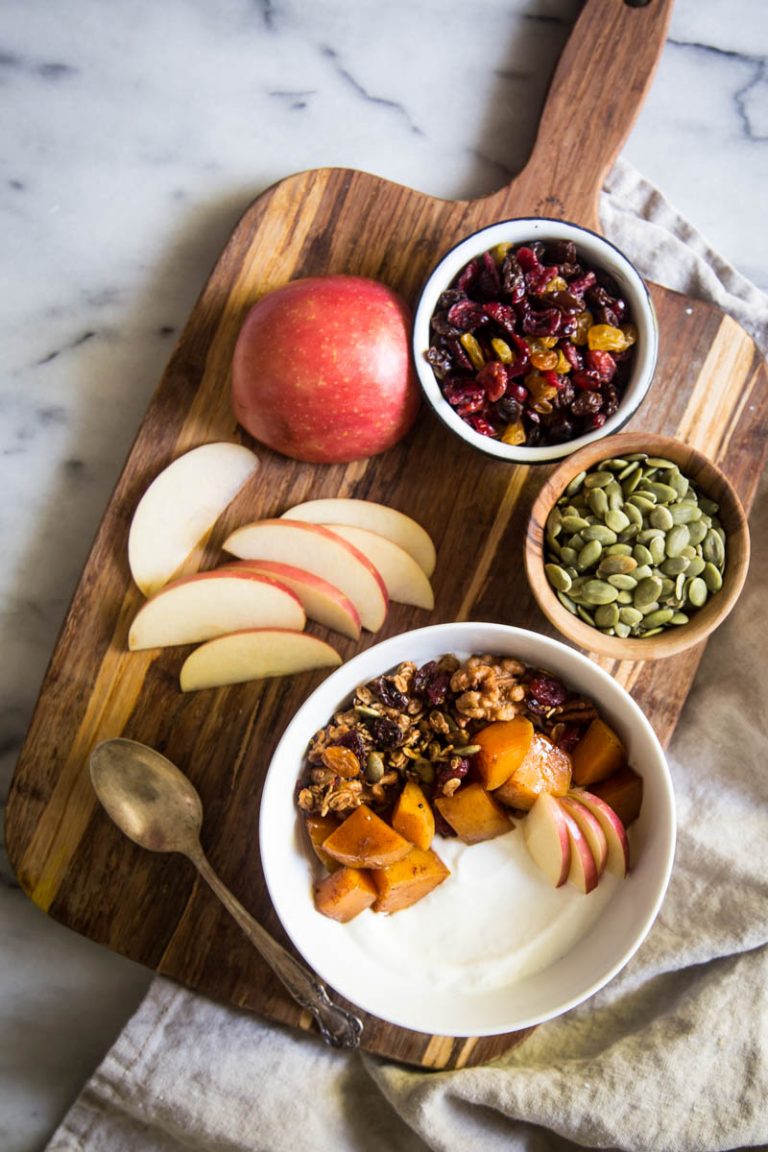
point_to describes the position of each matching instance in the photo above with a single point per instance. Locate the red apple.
(322, 369)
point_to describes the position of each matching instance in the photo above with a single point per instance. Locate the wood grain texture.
(710, 389)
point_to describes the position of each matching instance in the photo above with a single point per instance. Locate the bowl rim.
(467, 636)
(673, 641)
(472, 245)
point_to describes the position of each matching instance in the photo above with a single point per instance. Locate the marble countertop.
(134, 137)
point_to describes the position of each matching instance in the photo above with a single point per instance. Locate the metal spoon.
(156, 806)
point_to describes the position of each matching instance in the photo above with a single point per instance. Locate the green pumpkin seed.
(712, 548)
(630, 616)
(575, 484)
(567, 602)
(597, 479)
(660, 462)
(622, 630)
(680, 587)
(616, 565)
(630, 478)
(625, 595)
(646, 609)
(584, 615)
(598, 502)
(374, 767)
(652, 632)
(615, 495)
(615, 464)
(424, 770)
(679, 618)
(677, 539)
(589, 555)
(658, 618)
(696, 566)
(685, 513)
(569, 555)
(629, 469)
(689, 552)
(647, 591)
(599, 592)
(697, 530)
(680, 483)
(712, 578)
(599, 532)
(658, 549)
(634, 515)
(708, 507)
(661, 517)
(642, 554)
(696, 592)
(618, 550)
(558, 577)
(667, 588)
(607, 615)
(642, 572)
(616, 520)
(648, 534)
(675, 565)
(664, 493)
(573, 523)
(623, 581)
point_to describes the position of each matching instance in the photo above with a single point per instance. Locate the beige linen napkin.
(672, 1055)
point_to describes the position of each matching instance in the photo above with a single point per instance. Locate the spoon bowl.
(157, 807)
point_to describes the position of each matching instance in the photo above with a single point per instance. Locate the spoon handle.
(337, 1026)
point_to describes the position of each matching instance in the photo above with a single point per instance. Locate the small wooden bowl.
(709, 480)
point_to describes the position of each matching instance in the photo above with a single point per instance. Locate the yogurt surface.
(493, 921)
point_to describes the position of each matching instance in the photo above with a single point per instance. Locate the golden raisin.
(514, 433)
(606, 338)
(583, 325)
(556, 284)
(472, 349)
(503, 351)
(539, 387)
(341, 760)
(563, 363)
(499, 251)
(630, 335)
(544, 361)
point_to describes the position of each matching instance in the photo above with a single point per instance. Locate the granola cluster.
(419, 722)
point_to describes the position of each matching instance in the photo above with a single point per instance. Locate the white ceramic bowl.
(361, 972)
(597, 252)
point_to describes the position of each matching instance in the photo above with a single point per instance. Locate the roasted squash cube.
(623, 791)
(412, 816)
(364, 840)
(503, 746)
(473, 814)
(598, 754)
(319, 829)
(400, 885)
(345, 893)
(545, 768)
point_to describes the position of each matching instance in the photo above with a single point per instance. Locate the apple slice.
(209, 604)
(396, 526)
(591, 829)
(254, 654)
(545, 831)
(617, 860)
(321, 552)
(582, 872)
(179, 507)
(404, 579)
(320, 600)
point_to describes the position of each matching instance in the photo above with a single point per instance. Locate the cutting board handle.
(596, 92)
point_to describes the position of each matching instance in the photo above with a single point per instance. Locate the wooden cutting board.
(710, 390)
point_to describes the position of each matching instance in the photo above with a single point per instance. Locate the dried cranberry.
(461, 362)
(459, 391)
(503, 315)
(565, 301)
(466, 315)
(579, 285)
(595, 421)
(488, 281)
(428, 681)
(481, 424)
(493, 378)
(448, 297)
(456, 770)
(385, 733)
(388, 693)
(527, 258)
(586, 381)
(467, 277)
(572, 354)
(538, 278)
(546, 691)
(602, 364)
(548, 322)
(517, 392)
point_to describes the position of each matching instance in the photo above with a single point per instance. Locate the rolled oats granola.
(418, 723)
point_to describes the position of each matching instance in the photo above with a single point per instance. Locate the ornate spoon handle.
(337, 1026)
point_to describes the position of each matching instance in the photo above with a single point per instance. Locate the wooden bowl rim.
(708, 477)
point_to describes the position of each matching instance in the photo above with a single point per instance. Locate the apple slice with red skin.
(379, 518)
(197, 608)
(591, 830)
(582, 872)
(254, 654)
(320, 551)
(618, 859)
(545, 831)
(321, 601)
(180, 506)
(404, 579)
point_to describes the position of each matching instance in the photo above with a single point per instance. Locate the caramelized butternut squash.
(598, 754)
(473, 814)
(412, 816)
(364, 840)
(544, 768)
(623, 791)
(400, 885)
(503, 746)
(345, 893)
(319, 829)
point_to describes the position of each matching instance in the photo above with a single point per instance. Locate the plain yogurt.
(493, 921)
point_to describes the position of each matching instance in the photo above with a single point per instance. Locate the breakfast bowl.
(658, 524)
(533, 338)
(498, 945)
